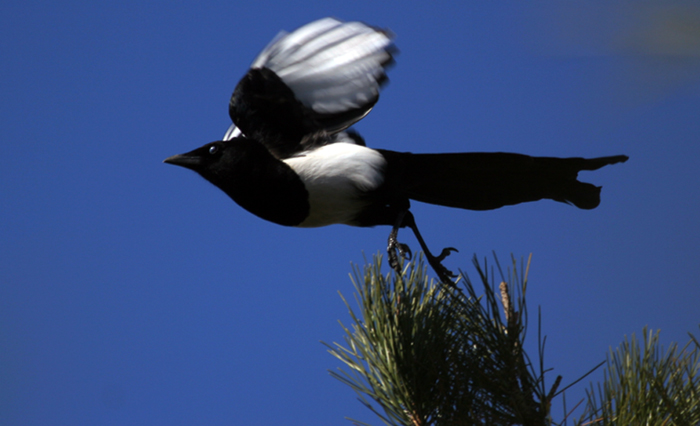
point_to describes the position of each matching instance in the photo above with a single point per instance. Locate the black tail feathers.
(485, 181)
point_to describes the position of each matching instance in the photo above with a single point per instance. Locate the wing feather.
(323, 77)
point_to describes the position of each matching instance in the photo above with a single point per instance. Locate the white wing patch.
(331, 66)
(336, 176)
(232, 132)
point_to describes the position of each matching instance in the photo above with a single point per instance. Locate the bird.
(291, 158)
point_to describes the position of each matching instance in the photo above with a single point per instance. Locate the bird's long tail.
(485, 181)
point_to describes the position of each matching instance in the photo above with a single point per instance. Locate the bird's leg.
(444, 274)
(394, 247)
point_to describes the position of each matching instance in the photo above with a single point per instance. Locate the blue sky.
(133, 292)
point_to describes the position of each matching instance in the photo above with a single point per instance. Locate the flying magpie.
(289, 158)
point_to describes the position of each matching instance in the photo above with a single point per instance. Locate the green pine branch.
(643, 385)
(423, 354)
(420, 354)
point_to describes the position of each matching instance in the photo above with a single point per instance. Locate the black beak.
(189, 161)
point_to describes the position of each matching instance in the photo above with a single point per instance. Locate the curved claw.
(404, 250)
(443, 273)
(446, 252)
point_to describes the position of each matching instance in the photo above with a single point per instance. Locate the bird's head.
(200, 159)
(248, 173)
(220, 162)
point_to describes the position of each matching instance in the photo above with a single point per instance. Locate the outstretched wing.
(323, 77)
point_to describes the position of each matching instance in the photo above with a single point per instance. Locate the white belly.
(336, 176)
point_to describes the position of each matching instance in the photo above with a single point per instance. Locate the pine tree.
(420, 353)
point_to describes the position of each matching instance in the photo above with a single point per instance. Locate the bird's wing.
(323, 77)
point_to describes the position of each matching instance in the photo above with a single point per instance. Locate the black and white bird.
(289, 159)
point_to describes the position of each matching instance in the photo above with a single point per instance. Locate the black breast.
(260, 183)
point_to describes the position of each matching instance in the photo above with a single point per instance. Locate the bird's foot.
(394, 250)
(444, 274)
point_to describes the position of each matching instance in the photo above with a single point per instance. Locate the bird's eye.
(213, 149)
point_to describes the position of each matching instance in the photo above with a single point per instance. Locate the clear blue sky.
(133, 292)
